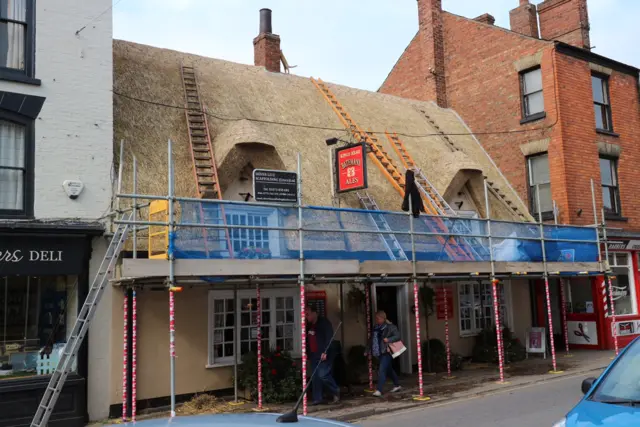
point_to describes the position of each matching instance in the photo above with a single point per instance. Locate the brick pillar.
(566, 21)
(524, 19)
(486, 19)
(432, 48)
(266, 47)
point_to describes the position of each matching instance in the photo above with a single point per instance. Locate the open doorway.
(394, 302)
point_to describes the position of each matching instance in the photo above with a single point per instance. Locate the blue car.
(236, 420)
(613, 399)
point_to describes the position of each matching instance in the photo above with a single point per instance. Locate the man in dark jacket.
(319, 333)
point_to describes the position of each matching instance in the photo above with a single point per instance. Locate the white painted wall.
(74, 140)
(74, 132)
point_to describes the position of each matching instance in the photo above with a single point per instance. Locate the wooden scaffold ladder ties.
(384, 163)
(81, 326)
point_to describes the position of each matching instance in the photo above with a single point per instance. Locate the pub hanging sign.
(351, 168)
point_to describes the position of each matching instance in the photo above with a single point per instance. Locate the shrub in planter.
(485, 349)
(438, 353)
(358, 365)
(281, 376)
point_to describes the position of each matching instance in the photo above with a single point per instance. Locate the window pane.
(13, 36)
(539, 169)
(622, 294)
(607, 199)
(606, 172)
(36, 313)
(599, 113)
(12, 144)
(534, 103)
(598, 93)
(532, 81)
(15, 10)
(545, 198)
(11, 189)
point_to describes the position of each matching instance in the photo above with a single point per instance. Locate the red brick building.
(554, 116)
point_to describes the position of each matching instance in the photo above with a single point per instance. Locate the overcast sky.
(351, 42)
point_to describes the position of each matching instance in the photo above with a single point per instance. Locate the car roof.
(233, 420)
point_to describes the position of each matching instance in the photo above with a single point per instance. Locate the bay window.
(280, 321)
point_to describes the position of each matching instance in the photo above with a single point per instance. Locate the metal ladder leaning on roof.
(427, 189)
(204, 164)
(382, 160)
(81, 327)
(391, 244)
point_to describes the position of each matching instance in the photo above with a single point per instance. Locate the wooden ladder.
(381, 159)
(205, 170)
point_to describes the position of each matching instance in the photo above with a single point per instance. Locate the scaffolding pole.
(135, 208)
(259, 336)
(303, 304)
(546, 286)
(563, 301)
(494, 287)
(125, 356)
(134, 356)
(446, 332)
(614, 330)
(416, 305)
(170, 255)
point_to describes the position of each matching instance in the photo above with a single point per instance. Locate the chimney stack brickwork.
(486, 19)
(524, 19)
(266, 47)
(566, 21)
(431, 36)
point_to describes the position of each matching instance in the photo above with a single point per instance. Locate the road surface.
(537, 405)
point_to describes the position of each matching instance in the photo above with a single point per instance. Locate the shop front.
(43, 282)
(588, 309)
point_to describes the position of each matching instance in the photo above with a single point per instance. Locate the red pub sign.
(351, 168)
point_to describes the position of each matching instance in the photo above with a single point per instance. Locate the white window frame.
(272, 294)
(506, 311)
(630, 274)
(272, 221)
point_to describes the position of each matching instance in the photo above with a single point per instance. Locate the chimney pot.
(265, 21)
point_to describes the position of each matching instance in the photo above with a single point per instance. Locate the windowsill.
(4, 215)
(533, 118)
(222, 365)
(607, 132)
(546, 216)
(614, 217)
(18, 77)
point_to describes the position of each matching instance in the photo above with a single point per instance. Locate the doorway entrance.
(394, 301)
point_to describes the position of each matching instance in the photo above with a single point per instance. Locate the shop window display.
(36, 318)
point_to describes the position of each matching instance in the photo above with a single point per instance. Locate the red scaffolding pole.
(125, 357)
(367, 299)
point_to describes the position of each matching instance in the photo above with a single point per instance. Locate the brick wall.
(566, 21)
(266, 51)
(74, 132)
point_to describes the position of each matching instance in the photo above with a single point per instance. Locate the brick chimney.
(524, 19)
(486, 19)
(566, 21)
(432, 46)
(266, 47)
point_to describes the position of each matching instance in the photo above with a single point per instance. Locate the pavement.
(539, 404)
(471, 382)
(475, 383)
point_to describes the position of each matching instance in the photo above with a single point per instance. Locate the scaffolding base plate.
(556, 372)
(261, 409)
(238, 403)
(368, 390)
(421, 398)
(449, 378)
(503, 382)
(568, 355)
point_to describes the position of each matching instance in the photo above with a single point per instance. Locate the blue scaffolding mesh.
(259, 232)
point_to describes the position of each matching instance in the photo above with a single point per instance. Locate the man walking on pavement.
(319, 333)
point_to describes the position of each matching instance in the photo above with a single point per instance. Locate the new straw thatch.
(244, 102)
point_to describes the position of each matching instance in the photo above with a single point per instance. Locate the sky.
(351, 42)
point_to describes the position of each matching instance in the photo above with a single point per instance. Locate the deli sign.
(351, 168)
(46, 255)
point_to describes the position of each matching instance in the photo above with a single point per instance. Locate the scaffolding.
(363, 268)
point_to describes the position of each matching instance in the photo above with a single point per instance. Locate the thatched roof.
(246, 99)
